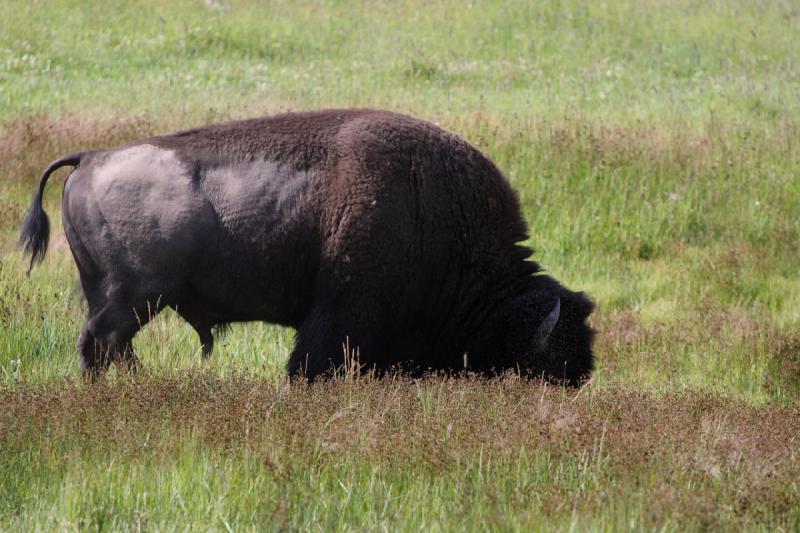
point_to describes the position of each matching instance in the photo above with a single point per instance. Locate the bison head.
(546, 333)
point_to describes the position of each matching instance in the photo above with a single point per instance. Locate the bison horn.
(546, 327)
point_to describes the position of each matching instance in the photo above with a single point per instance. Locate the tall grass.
(207, 453)
(655, 147)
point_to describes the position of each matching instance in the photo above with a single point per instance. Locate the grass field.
(656, 149)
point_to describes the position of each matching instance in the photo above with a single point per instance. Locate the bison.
(363, 228)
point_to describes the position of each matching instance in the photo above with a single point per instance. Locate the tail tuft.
(36, 226)
(35, 232)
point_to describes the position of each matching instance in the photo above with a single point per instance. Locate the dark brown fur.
(363, 226)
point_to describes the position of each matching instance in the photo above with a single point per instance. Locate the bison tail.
(36, 226)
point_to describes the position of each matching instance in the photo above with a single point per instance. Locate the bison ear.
(546, 327)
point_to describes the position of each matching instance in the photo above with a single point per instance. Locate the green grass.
(202, 452)
(655, 147)
(630, 60)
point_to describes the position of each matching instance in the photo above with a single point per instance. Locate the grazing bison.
(358, 227)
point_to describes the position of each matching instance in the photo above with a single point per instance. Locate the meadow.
(655, 147)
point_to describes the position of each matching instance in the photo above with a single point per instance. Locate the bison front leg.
(335, 335)
(201, 325)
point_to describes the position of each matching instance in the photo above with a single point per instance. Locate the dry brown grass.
(685, 457)
(29, 142)
(785, 367)
(433, 423)
(627, 342)
(719, 149)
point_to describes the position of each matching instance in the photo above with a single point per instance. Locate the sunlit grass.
(619, 61)
(655, 147)
(195, 450)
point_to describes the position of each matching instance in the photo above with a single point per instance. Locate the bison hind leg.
(93, 359)
(108, 333)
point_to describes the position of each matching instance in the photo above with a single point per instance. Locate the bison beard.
(352, 226)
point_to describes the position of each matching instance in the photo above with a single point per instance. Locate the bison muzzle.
(358, 228)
